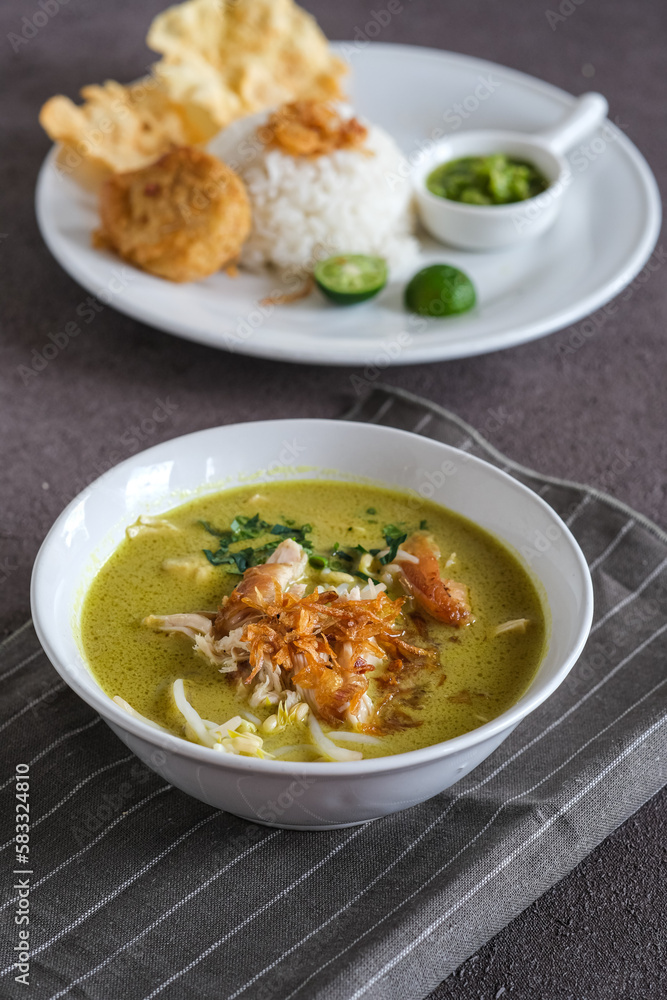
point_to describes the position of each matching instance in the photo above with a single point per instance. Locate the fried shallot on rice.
(312, 128)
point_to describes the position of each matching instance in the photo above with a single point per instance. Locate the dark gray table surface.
(597, 416)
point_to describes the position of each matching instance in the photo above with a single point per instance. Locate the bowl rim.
(41, 585)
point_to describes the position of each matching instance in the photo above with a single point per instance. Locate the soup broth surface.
(479, 674)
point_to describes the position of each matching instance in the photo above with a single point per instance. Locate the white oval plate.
(606, 230)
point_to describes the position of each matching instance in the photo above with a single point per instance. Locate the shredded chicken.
(196, 626)
(194, 568)
(146, 525)
(191, 624)
(312, 128)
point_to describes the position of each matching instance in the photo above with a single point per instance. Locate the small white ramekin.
(494, 227)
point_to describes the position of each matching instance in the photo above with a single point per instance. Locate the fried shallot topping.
(286, 298)
(311, 128)
(325, 642)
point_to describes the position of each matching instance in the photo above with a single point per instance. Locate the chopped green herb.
(318, 562)
(243, 558)
(393, 536)
(243, 528)
(423, 525)
(281, 529)
(247, 527)
(364, 576)
(240, 559)
(371, 510)
(339, 567)
(213, 531)
(343, 555)
(216, 558)
(298, 534)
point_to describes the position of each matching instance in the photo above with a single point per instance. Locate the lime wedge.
(350, 278)
(440, 290)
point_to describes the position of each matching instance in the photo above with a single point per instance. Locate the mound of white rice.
(305, 210)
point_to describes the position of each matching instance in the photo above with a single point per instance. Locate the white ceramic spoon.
(492, 227)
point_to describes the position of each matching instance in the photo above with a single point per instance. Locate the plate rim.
(327, 353)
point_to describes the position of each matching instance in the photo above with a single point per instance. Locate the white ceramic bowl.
(495, 227)
(306, 795)
(490, 227)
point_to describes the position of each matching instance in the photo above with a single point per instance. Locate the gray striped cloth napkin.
(137, 891)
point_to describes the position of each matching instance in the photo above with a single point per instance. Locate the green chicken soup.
(353, 626)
